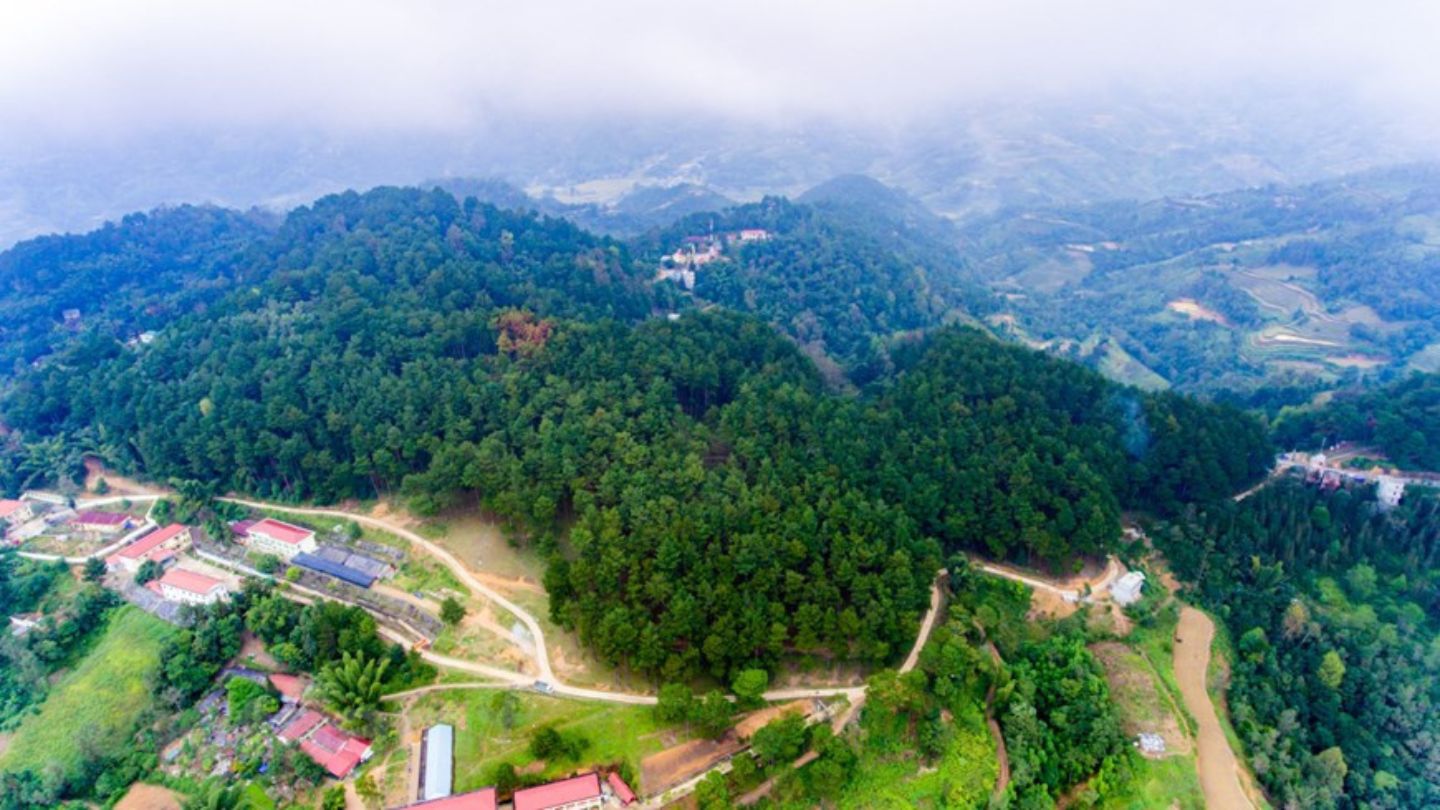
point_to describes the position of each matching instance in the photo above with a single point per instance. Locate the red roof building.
(15, 511)
(182, 585)
(484, 799)
(622, 790)
(300, 726)
(104, 522)
(334, 750)
(159, 546)
(576, 793)
(277, 537)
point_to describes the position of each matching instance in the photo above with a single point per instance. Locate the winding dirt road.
(1219, 770)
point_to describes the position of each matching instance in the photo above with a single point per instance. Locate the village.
(163, 565)
(695, 252)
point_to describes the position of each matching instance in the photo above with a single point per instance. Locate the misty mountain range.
(962, 163)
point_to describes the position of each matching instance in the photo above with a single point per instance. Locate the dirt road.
(1219, 770)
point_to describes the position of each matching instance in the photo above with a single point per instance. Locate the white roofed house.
(1389, 490)
(437, 759)
(1126, 589)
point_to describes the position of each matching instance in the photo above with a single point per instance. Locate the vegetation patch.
(95, 707)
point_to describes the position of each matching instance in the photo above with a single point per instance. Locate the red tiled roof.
(330, 738)
(291, 686)
(282, 531)
(483, 799)
(621, 789)
(101, 518)
(574, 789)
(139, 548)
(8, 507)
(301, 725)
(192, 581)
(336, 751)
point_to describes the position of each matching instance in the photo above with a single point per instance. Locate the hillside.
(1310, 283)
(403, 343)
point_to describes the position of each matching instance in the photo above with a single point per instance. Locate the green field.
(96, 705)
(615, 732)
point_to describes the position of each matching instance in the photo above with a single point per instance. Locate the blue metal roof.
(340, 572)
(439, 760)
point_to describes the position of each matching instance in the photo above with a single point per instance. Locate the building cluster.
(586, 791)
(297, 545)
(337, 751)
(697, 251)
(1389, 484)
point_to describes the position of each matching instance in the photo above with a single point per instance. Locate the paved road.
(1113, 569)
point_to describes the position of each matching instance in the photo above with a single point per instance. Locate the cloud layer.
(106, 68)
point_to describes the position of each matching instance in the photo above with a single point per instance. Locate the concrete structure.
(15, 512)
(157, 546)
(101, 522)
(437, 762)
(189, 587)
(1389, 491)
(576, 793)
(483, 799)
(1150, 743)
(277, 537)
(1126, 589)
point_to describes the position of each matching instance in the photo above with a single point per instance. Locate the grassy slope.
(615, 732)
(97, 703)
(963, 777)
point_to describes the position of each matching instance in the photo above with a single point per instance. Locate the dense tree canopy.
(1402, 419)
(1334, 607)
(706, 501)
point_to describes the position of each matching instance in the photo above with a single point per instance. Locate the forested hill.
(1402, 419)
(843, 291)
(720, 505)
(126, 278)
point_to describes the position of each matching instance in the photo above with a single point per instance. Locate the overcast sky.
(70, 68)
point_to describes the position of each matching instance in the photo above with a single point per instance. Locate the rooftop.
(483, 799)
(555, 794)
(8, 507)
(144, 545)
(192, 581)
(439, 762)
(291, 687)
(622, 790)
(282, 531)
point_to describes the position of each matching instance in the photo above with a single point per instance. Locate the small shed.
(438, 758)
(1126, 589)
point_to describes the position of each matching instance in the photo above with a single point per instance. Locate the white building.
(282, 539)
(1389, 490)
(437, 780)
(190, 587)
(1126, 589)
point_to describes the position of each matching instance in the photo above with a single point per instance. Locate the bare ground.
(1219, 769)
(149, 797)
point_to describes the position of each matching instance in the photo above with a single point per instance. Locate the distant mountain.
(639, 210)
(887, 214)
(961, 162)
(1307, 284)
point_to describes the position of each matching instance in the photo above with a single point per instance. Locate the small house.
(1126, 589)
(189, 587)
(15, 512)
(1389, 490)
(101, 522)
